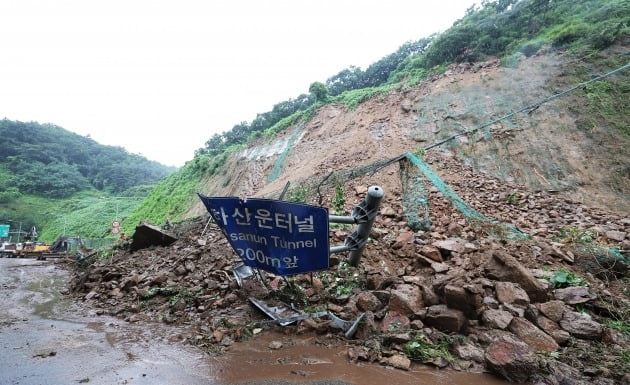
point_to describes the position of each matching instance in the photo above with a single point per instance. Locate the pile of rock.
(492, 301)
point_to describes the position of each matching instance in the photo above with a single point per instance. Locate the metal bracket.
(364, 215)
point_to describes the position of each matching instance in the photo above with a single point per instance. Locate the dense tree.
(319, 91)
(47, 160)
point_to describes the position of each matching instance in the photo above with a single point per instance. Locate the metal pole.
(365, 213)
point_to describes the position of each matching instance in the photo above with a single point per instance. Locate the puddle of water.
(301, 360)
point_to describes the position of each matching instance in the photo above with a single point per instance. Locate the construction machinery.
(64, 245)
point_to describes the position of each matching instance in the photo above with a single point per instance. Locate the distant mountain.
(49, 161)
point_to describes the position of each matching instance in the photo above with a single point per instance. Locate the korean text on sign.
(281, 237)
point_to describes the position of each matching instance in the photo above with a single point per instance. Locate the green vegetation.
(574, 235)
(319, 91)
(344, 281)
(353, 98)
(172, 197)
(423, 349)
(562, 278)
(608, 105)
(622, 326)
(339, 201)
(66, 184)
(48, 161)
(297, 194)
(503, 28)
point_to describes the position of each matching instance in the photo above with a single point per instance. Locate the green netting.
(277, 168)
(415, 199)
(493, 227)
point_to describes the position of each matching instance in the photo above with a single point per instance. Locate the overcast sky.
(159, 77)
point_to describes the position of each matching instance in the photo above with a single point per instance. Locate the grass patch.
(344, 281)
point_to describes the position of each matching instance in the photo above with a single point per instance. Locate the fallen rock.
(406, 299)
(511, 358)
(532, 335)
(457, 297)
(573, 295)
(394, 321)
(511, 293)
(432, 253)
(366, 301)
(613, 235)
(469, 352)
(496, 319)
(147, 235)
(356, 353)
(445, 319)
(275, 345)
(553, 329)
(580, 326)
(440, 267)
(504, 267)
(397, 361)
(450, 245)
(554, 310)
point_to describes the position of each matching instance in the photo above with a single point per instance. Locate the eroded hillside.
(546, 148)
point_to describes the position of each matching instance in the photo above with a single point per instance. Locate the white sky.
(159, 77)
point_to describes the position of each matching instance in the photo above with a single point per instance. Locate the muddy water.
(45, 339)
(303, 360)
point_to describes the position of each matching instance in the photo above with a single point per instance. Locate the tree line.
(49, 161)
(494, 28)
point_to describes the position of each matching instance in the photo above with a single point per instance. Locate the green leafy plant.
(562, 278)
(572, 234)
(423, 349)
(297, 194)
(419, 152)
(512, 198)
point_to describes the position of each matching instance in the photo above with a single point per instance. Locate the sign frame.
(284, 238)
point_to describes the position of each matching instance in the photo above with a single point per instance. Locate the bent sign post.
(280, 237)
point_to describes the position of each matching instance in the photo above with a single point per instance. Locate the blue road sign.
(280, 237)
(4, 231)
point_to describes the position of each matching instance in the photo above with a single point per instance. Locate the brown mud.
(47, 339)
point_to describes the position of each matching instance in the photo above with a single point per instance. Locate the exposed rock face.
(511, 358)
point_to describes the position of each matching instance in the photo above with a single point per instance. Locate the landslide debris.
(553, 308)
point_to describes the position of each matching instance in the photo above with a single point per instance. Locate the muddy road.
(47, 339)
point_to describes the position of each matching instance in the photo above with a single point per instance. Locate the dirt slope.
(547, 149)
